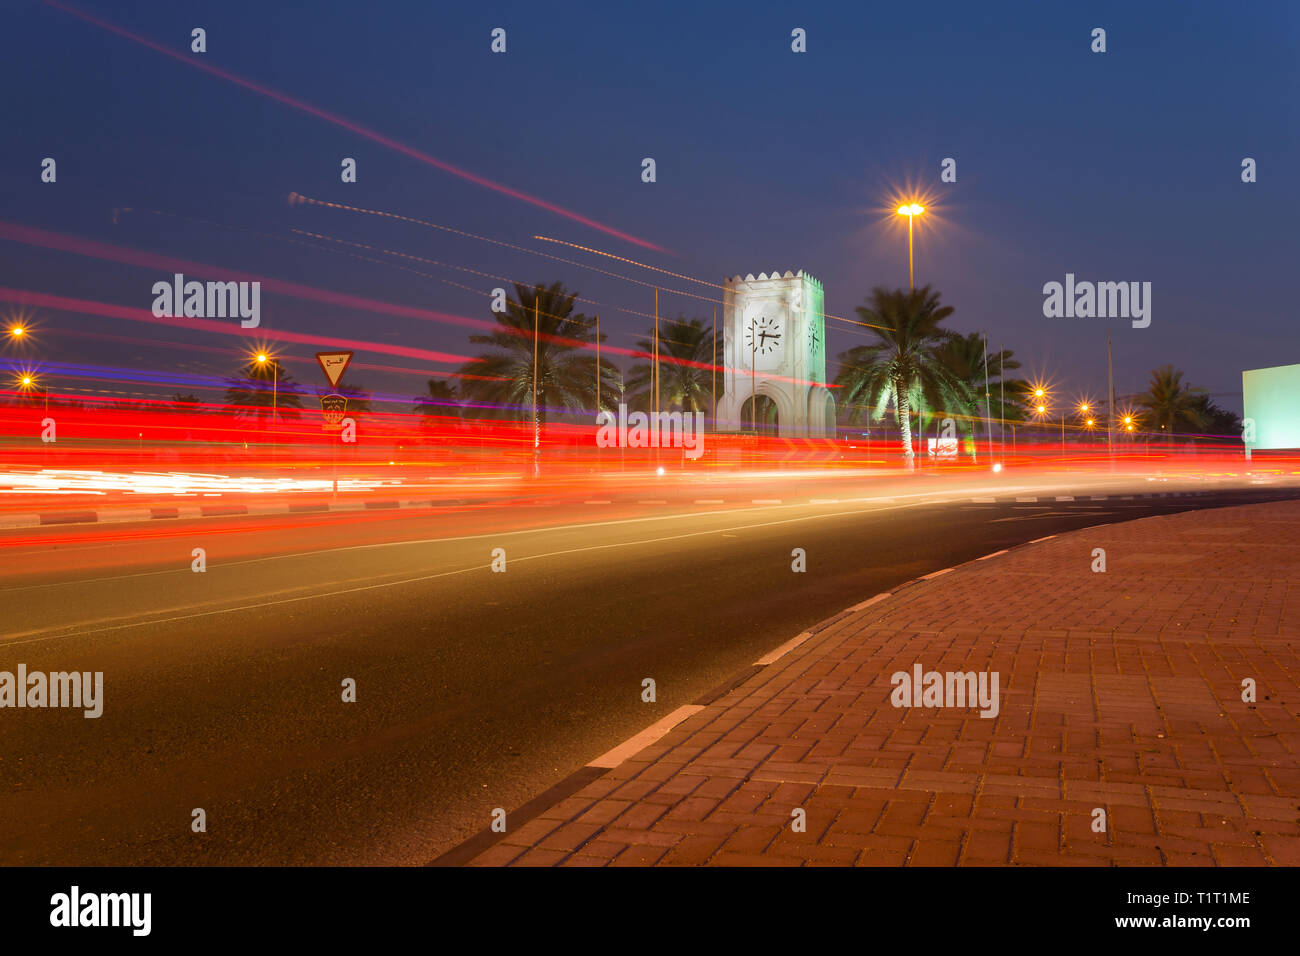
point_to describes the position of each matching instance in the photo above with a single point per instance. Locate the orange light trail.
(631, 262)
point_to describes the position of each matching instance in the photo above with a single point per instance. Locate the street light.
(262, 358)
(911, 211)
(27, 382)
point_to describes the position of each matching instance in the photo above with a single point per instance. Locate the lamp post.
(17, 332)
(1041, 408)
(537, 424)
(911, 211)
(1084, 408)
(262, 359)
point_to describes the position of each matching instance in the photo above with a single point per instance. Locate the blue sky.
(1115, 166)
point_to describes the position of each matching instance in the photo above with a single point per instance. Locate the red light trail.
(356, 128)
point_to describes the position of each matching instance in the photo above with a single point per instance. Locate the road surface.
(475, 689)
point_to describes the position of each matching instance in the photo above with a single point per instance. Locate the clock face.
(814, 334)
(763, 335)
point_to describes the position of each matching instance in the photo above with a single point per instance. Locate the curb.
(485, 839)
(118, 516)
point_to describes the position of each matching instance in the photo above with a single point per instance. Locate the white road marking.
(600, 501)
(635, 745)
(934, 574)
(1044, 538)
(984, 500)
(137, 515)
(708, 501)
(1065, 497)
(824, 501)
(993, 555)
(775, 655)
(75, 630)
(766, 501)
(1027, 499)
(870, 601)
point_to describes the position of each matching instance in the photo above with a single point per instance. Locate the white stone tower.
(774, 353)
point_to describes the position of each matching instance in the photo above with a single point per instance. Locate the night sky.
(1117, 166)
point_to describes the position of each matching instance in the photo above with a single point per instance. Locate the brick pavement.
(1119, 690)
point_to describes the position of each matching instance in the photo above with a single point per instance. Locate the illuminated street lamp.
(262, 358)
(911, 211)
(27, 382)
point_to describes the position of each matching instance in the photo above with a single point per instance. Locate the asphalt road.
(475, 689)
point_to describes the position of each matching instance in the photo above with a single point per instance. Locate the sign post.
(333, 406)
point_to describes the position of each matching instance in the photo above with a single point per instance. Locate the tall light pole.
(1110, 404)
(656, 375)
(537, 425)
(911, 211)
(1040, 396)
(1002, 402)
(988, 411)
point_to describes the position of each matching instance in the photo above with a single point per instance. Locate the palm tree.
(963, 356)
(358, 397)
(441, 401)
(264, 385)
(901, 369)
(1217, 421)
(566, 371)
(1171, 404)
(686, 351)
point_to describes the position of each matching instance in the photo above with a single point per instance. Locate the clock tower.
(774, 357)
